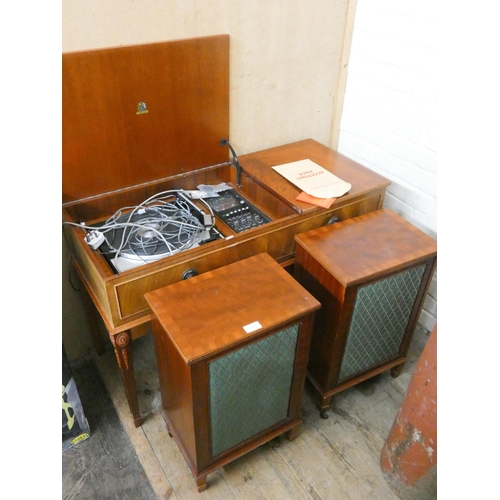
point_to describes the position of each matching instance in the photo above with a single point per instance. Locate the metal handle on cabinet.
(189, 273)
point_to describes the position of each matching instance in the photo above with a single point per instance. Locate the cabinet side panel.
(325, 330)
(176, 392)
(250, 389)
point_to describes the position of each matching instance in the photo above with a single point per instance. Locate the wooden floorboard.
(105, 465)
(337, 458)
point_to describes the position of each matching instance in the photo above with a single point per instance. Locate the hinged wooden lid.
(136, 114)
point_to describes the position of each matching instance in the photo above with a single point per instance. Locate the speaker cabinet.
(232, 347)
(371, 274)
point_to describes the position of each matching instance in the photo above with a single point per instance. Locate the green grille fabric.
(379, 321)
(250, 389)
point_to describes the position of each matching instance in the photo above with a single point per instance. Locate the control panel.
(236, 212)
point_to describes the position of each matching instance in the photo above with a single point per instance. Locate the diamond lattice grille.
(250, 389)
(379, 321)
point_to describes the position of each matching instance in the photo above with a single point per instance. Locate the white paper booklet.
(313, 179)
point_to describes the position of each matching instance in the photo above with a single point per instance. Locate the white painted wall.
(388, 121)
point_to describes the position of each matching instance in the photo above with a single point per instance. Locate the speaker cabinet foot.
(292, 433)
(324, 406)
(396, 370)
(201, 483)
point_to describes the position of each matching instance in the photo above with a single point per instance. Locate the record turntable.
(168, 223)
(165, 224)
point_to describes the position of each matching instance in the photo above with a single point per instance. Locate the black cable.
(236, 163)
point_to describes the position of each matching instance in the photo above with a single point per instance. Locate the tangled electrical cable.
(159, 227)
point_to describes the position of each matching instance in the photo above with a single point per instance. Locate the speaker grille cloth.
(379, 321)
(250, 389)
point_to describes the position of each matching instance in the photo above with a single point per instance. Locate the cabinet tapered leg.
(122, 345)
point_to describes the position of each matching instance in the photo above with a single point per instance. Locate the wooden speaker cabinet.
(371, 274)
(232, 347)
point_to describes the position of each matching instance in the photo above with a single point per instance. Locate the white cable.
(161, 213)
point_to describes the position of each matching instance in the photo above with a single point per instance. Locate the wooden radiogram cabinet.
(232, 347)
(144, 119)
(371, 274)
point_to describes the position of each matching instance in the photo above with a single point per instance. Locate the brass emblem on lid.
(141, 108)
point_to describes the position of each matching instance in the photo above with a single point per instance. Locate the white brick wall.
(389, 115)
